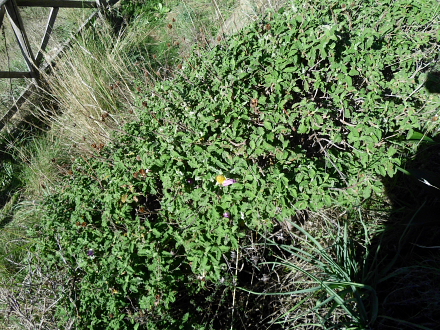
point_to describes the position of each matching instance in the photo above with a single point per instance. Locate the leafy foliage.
(120, 249)
(154, 10)
(305, 111)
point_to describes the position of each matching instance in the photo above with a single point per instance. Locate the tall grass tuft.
(92, 88)
(323, 279)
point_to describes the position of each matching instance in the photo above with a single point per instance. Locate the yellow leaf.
(124, 198)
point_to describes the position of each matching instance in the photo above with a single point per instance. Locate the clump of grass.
(322, 277)
(11, 247)
(86, 88)
(28, 299)
(43, 163)
(92, 90)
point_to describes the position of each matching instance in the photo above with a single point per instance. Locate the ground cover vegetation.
(254, 182)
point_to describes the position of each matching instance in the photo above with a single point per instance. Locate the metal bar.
(46, 67)
(57, 3)
(2, 15)
(17, 25)
(47, 33)
(15, 74)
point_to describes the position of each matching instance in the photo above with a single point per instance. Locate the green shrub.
(153, 10)
(127, 258)
(306, 111)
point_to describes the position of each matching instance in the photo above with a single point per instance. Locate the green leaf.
(353, 72)
(302, 129)
(417, 136)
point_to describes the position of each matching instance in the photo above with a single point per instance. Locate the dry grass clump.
(92, 88)
(27, 300)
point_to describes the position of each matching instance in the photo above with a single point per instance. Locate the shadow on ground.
(408, 260)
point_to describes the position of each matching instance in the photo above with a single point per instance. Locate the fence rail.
(58, 3)
(35, 63)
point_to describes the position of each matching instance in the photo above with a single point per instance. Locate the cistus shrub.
(308, 109)
(304, 111)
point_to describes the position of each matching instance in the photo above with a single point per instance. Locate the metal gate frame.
(35, 63)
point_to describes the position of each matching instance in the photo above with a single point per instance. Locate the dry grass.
(91, 91)
(205, 23)
(32, 304)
